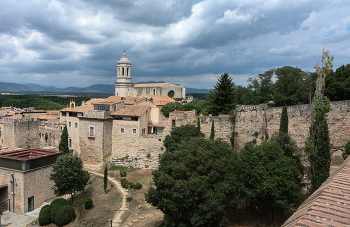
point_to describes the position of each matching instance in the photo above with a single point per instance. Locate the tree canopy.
(68, 175)
(63, 146)
(222, 99)
(196, 185)
(269, 178)
(179, 134)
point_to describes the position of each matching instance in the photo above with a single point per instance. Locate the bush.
(137, 185)
(129, 198)
(65, 215)
(88, 203)
(56, 205)
(45, 215)
(122, 173)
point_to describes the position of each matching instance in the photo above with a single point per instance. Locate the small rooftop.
(28, 154)
(131, 111)
(159, 100)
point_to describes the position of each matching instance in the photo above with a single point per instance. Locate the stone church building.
(125, 88)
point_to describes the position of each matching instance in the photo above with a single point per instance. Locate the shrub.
(56, 205)
(45, 215)
(129, 198)
(88, 203)
(122, 173)
(65, 215)
(137, 185)
(148, 155)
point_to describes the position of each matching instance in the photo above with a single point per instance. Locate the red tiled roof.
(108, 101)
(159, 100)
(329, 205)
(28, 154)
(131, 111)
(49, 117)
(79, 109)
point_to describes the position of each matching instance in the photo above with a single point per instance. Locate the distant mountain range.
(95, 88)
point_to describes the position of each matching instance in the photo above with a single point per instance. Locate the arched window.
(171, 94)
(154, 91)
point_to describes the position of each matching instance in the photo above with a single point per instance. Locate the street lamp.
(110, 220)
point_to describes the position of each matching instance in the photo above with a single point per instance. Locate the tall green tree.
(318, 145)
(269, 179)
(196, 185)
(262, 86)
(170, 107)
(68, 175)
(212, 131)
(284, 120)
(338, 84)
(63, 146)
(105, 179)
(222, 99)
(198, 125)
(179, 134)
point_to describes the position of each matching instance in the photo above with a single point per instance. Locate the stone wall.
(34, 182)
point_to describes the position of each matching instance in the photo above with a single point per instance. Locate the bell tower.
(123, 86)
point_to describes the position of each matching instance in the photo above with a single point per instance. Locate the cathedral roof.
(131, 111)
(152, 85)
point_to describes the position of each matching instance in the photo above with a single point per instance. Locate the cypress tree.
(105, 179)
(198, 125)
(284, 120)
(212, 131)
(63, 146)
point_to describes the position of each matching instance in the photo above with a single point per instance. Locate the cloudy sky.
(191, 42)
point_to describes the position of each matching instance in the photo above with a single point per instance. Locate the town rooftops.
(329, 205)
(134, 111)
(79, 109)
(108, 101)
(159, 100)
(49, 117)
(152, 85)
(28, 154)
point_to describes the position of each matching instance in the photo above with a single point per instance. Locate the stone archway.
(171, 94)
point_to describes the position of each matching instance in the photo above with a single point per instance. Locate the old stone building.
(125, 88)
(25, 178)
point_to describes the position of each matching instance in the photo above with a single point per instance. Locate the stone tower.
(123, 86)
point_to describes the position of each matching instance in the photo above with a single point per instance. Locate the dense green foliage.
(68, 175)
(172, 106)
(338, 84)
(45, 215)
(88, 203)
(212, 131)
(196, 184)
(269, 178)
(55, 206)
(346, 152)
(284, 120)
(179, 134)
(222, 99)
(319, 145)
(63, 146)
(105, 179)
(38, 102)
(65, 215)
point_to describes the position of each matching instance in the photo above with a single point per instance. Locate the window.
(92, 131)
(64, 113)
(69, 142)
(70, 124)
(134, 130)
(143, 131)
(61, 128)
(122, 130)
(173, 123)
(76, 125)
(30, 203)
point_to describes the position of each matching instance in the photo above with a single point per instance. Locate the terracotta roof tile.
(79, 109)
(327, 206)
(151, 85)
(28, 154)
(159, 100)
(108, 101)
(49, 117)
(131, 111)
